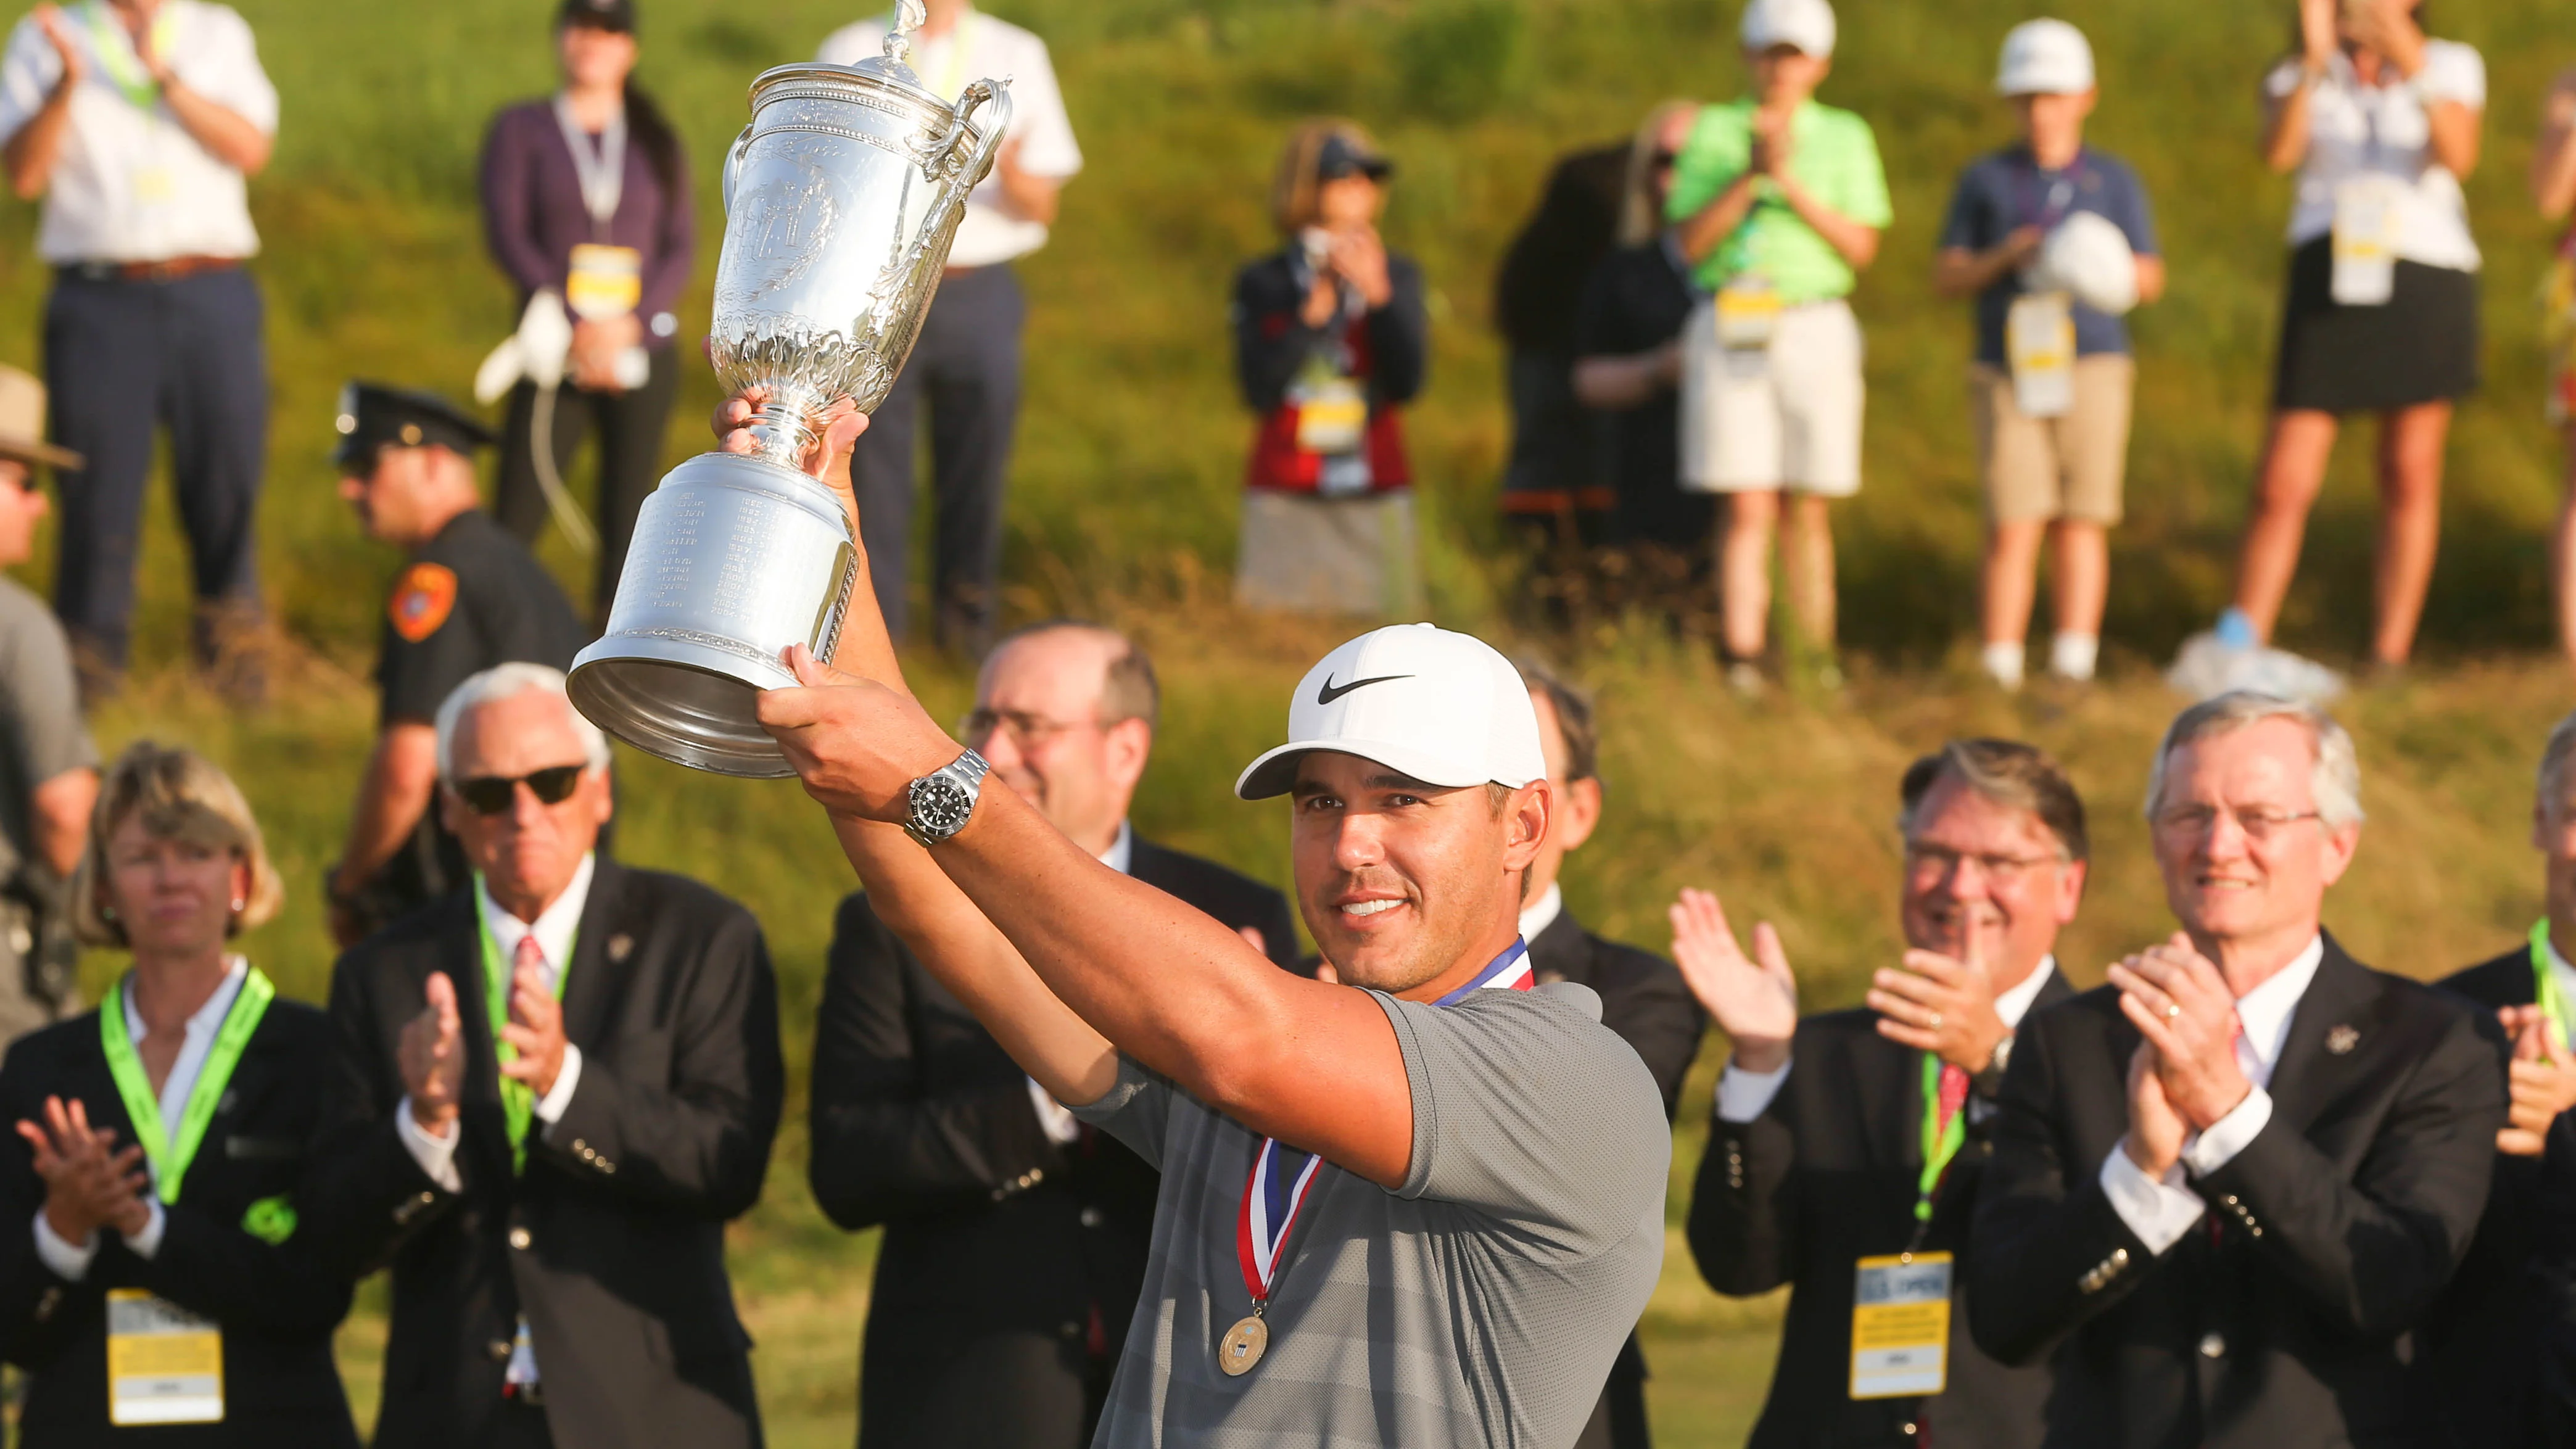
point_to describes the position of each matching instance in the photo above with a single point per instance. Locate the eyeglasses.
(2260, 823)
(1939, 862)
(495, 794)
(1027, 731)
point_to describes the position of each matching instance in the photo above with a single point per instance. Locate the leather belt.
(171, 270)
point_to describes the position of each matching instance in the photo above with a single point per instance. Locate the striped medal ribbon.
(1281, 1177)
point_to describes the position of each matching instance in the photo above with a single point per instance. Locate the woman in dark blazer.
(157, 1280)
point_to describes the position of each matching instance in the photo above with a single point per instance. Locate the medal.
(1282, 1176)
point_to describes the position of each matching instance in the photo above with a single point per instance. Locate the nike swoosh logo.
(1330, 691)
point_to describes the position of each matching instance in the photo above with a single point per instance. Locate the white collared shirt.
(71, 1261)
(2357, 130)
(554, 929)
(2160, 1211)
(131, 184)
(1540, 914)
(1059, 1125)
(981, 47)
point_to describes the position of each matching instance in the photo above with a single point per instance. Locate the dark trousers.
(630, 426)
(1005, 1390)
(967, 367)
(122, 358)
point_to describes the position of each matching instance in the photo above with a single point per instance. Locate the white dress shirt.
(1061, 1126)
(131, 184)
(2356, 130)
(2161, 1210)
(554, 930)
(1743, 1096)
(71, 1261)
(981, 47)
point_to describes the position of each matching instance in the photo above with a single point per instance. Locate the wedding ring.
(2172, 1010)
(1935, 1022)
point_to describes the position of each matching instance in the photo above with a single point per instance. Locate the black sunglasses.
(494, 794)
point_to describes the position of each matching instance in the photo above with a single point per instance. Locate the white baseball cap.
(1442, 707)
(2045, 58)
(1807, 25)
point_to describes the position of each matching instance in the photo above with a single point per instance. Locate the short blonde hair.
(1641, 218)
(1295, 191)
(179, 795)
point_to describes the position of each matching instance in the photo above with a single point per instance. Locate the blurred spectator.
(2381, 125)
(1628, 356)
(2553, 186)
(966, 363)
(48, 767)
(2052, 380)
(1330, 337)
(1780, 200)
(586, 196)
(137, 121)
(1553, 489)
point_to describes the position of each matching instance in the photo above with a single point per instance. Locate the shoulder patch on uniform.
(423, 598)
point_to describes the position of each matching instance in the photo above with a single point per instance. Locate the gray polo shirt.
(41, 734)
(1479, 1304)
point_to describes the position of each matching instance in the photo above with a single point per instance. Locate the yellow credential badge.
(1901, 1326)
(165, 1365)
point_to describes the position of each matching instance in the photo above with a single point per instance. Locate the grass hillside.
(1123, 500)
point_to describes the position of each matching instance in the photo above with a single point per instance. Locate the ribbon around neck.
(170, 1154)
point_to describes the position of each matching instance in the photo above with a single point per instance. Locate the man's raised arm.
(1115, 960)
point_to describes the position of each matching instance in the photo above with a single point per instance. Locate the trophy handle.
(732, 165)
(982, 96)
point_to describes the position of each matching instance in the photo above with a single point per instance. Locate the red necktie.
(1954, 1095)
(531, 954)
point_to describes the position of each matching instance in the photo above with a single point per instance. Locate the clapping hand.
(1941, 1004)
(534, 1031)
(2542, 1079)
(1774, 144)
(88, 1184)
(1755, 999)
(49, 18)
(1358, 257)
(432, 1057)
(2156, 1131)
(2182, 1005)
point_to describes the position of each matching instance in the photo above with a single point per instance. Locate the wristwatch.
(943, 800)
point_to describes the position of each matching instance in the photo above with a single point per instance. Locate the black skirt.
(2420, 346)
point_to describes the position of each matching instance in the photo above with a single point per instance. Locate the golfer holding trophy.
(841, 199)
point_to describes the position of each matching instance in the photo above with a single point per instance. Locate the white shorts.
(1782, 417)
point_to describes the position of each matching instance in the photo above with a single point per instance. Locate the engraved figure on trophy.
(841, 198)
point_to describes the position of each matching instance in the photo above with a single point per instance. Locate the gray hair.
(2335, 779)
(2554, 757)
(509, 681)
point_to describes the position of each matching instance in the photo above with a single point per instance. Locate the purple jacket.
(533, 216)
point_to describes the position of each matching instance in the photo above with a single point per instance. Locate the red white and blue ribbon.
(1282, 1175)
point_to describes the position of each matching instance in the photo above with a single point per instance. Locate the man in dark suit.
(1015, 1238)
(1862, 1134)
(2230, 1181)
(1643, 998)
(555, 1089)
(2480, 1349)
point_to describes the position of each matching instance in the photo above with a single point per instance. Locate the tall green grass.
(1123, 496)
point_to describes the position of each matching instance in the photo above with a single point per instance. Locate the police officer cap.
(373, 416)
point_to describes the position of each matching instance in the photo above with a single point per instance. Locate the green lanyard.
(518, 1104)
(116, 54)
(1941, 1141)
(2544, 986)
(169, 1157)
(952, 75)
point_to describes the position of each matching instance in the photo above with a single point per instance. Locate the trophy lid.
(895, 66)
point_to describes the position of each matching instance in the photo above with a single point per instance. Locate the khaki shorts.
(1306, 554)
(2055, 468)
(1782, 417)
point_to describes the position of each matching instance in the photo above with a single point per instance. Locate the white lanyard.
(603, 172)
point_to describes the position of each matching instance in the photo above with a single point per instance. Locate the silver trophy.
(841, 199)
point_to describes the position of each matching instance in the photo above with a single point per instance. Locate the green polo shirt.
(1833, 155)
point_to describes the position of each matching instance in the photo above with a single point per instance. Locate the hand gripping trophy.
(841, 199)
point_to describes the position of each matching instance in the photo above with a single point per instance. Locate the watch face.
(941, 805)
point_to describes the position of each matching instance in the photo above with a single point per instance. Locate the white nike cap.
(1805, 25)
(1442, 707)
(2045, 58)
